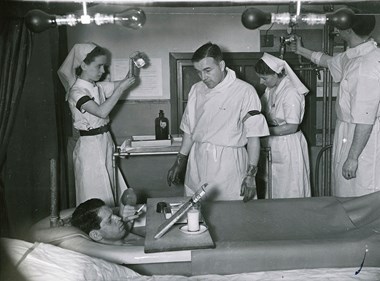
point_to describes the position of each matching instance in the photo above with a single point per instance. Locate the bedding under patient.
(94, 230)
(94, 220)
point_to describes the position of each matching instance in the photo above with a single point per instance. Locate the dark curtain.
(15, 52)
(63, 120)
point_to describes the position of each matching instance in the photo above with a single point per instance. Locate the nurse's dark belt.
(96, 131)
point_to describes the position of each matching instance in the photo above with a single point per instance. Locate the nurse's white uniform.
(290, 157)
(93, 154)
(358, 102)
(213, 117)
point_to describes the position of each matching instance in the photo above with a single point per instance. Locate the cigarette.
(138, 211)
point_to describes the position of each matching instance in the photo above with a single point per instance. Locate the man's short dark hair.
(208, 50)
(363, 25)
(85, 216)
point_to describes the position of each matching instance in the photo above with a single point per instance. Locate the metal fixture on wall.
(253, 18)
(38, 21)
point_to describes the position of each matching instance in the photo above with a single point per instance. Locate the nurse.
(356, 146)
(90, 102)
(283, 106)
(221, 118)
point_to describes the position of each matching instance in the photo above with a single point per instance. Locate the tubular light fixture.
(253, 18)
(38, 21)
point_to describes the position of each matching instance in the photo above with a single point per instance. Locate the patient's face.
(111, 226)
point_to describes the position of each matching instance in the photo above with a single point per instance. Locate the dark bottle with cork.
(162, 126)
(129, 197)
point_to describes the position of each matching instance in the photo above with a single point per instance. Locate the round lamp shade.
(253, 18)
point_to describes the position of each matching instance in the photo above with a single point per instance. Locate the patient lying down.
(97, 230)
(102, 225)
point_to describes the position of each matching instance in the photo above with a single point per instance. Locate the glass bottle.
(129, 197)
(162, 126)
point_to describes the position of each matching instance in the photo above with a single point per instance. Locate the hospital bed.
(40, 262)
(280, 236)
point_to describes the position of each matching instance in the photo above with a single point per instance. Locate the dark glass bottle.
(129, 197)
(162, 126)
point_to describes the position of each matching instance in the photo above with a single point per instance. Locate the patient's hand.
(128, 213)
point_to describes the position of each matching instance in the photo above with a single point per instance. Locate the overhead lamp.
(253, 18)
(38, 21)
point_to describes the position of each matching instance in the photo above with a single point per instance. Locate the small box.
(149, 141)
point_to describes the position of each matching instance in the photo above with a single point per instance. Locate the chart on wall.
(150, 79)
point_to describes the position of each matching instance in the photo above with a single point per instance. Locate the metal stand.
(139, 151)
(54, 216)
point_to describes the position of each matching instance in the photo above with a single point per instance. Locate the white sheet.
(321, 274)
(45, 262)
(48, 262)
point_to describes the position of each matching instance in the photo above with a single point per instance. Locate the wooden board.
(174, 239)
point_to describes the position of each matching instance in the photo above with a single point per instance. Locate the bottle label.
(163, 124)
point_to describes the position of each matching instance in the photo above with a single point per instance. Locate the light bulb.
(253, 18)
(132, 18)
(38, 21)
(341, 18)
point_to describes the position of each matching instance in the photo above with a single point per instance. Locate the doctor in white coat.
(222, 124)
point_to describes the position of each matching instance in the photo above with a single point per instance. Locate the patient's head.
(98, 221)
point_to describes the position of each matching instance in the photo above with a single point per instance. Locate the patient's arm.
(123, 254)
(71, 238)
(113, 253)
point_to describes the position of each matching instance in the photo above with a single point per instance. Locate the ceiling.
(19, 8)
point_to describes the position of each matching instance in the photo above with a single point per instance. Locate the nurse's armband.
(251, 113)
(81, 102)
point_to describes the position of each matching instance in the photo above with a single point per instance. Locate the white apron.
(358, 102)
(92, 155)
(213, 118)
(290, 157)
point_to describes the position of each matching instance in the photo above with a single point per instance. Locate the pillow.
(41, 261)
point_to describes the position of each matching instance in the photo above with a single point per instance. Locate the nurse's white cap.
(74, 59)
(277, 65)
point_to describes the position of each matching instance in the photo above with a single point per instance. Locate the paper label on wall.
(150, 81)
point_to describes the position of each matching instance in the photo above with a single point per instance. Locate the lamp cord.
(361, 265)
